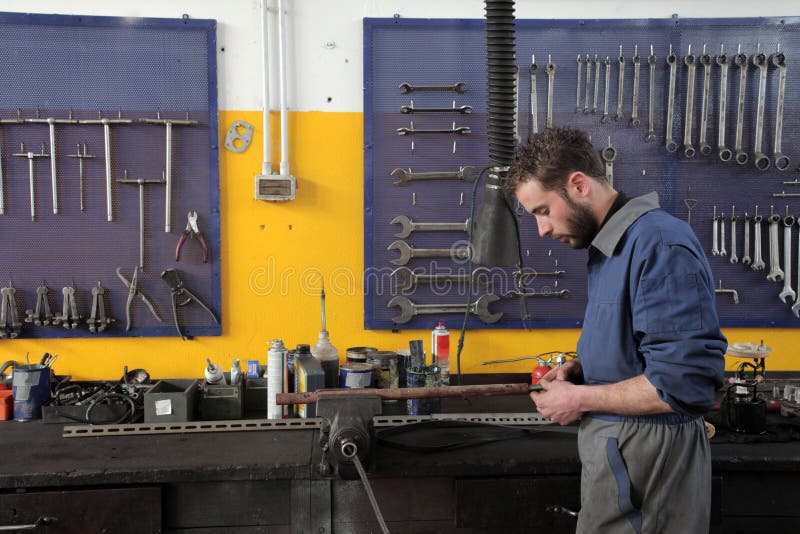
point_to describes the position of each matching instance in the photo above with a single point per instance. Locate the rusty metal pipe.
(485, 390)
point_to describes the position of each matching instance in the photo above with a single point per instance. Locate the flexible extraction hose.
(501, 66)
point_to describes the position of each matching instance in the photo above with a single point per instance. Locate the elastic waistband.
(653, 419)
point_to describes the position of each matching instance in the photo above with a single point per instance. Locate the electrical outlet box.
(275, 187)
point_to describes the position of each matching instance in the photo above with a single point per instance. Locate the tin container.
(428, 378)
(356, 375)
(440, 351)
(277, 375)
(386, 374)
(31, 386)
(359, 354)
(403, 359)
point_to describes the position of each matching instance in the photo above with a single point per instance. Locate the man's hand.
(571, 371)
(558, 400)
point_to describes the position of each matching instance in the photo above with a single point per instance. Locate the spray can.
(214, 374)
(276, 375)
(440, 349)
(236, 372)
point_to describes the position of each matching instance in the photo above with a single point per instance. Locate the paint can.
(31, 386)
(359, 354)
(386, 373)
(355, 375)
(427, 377)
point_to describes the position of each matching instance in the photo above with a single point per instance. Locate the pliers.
(133, 292)
(178, 290)
(192, 231)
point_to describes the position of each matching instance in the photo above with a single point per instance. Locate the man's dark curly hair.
(551, 156)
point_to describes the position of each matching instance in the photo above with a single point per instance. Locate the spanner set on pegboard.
(670, 111)
(108, 136)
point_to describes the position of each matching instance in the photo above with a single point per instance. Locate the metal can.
(403, 358)
(418, 378)
(359, 354)
(277, 378)
(385, 370)
(355, 375)
(440, 351)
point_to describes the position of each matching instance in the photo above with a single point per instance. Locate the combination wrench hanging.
(596, 83)
(725, 153)
(788, 294)
(534, 99)
(604, 118)
(722, 250)
(734, 257)
(775, 271)
(578, 90)
(715, 233)
(635, 98)
(672, 62)
(620, 86)
(740, 60)
(746, 260)
(588, 86)
(705, 61)
(758, 261)
(759, 60)
(778, 60)
(550, 69)
(609, 154)
(691, 63)
(651, 61)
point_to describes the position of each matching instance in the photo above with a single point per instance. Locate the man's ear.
(579, 184)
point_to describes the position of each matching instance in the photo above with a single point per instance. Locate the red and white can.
(440, 349)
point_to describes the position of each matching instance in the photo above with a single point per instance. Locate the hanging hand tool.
(722, 250)
(746, 260)
(635, 104)
(578, 90)
(651, 61)
(460, 109)
(141, 182)
(740, 60)
(133, 292)
(550, 70)
(775, 271)
(192, 231)
(458, 87)
(68, 318)
(179, 291)
(759, 60)
(51, 122)
(408, 279)
(81, 156)
(758, 261)
(690, 62)
(725, 153)
(796, 306)
(690, 204)
(479, 308)
(778, 59)
(404, 176)
(604, 117)
(596, 83)
(534, 99)
(408, 226)
(97, 320)
(10, 327)
(705, 61)
(734, 256)
(672, 62)
(588, 86)
(168, 124)
(788, 294)
(620, 86)
(107, 145)
(609, 154)
(732, 292)
(41, 316)
(715, 233)
(31, 157)
(407, 252)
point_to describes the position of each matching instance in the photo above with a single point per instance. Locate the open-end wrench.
(407, 252)
(759, 60)
(691, 62)
(609, 154)
(746, 260)
(635, 105)
(715, 233)
(788, 292)
(550, 70)
(479, 308)
(775, 271)
(588, 85)
(408, 226)
(454, 109)
(758, 261)
(672, 62)
(620, 85)
(651, 61)
(740, 60)
(460, 130)
(722, 250)
(604, 117)
(725, 153)
(578, 90)
(734, 256)
(778, 59)
(705, 61)
(596, 83)
(458, 87)
(796, 306)
(405, 175)
(534, 99)
(408, 279)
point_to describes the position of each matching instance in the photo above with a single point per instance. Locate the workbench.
(267, 482)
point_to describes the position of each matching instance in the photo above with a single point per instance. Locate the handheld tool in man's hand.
(133, 291)
(192, 231)
(179, 291)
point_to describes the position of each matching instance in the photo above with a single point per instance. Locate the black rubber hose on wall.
(501, 65)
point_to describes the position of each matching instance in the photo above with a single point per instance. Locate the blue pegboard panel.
(86, 68)
(443, 52)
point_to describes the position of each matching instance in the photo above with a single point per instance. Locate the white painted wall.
(319, 72)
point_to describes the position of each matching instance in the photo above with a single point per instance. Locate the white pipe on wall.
(284, 166)
(266, 165)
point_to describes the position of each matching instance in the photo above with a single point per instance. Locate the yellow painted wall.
(273, 255)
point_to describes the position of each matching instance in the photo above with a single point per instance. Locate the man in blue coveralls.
(650, 355)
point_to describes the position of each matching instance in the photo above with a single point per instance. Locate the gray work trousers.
(644, 475)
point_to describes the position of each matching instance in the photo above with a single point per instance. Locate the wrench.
(596, 82)
(407, 252)
(651, 60)
(578, 90)
(620, 85)
(609, 154)
(796, 306)
(746, 258)
(604, 118)
(404, 176)
(691, 63)
(479, 308)
(734, 257)
(458, 87)
(740, 60)
(408, 279)
(534, 100)
(775, 271)
(725, 153)
(778, 59)
(672, 61)
(550, 70)
(787, 292)
(588, 85)
(409, 226)
(759, 59)
(705, 60)
(715, 234)
(635, 105)
(461, 130)
(758, 261)
(722, 251)
(460, 109)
